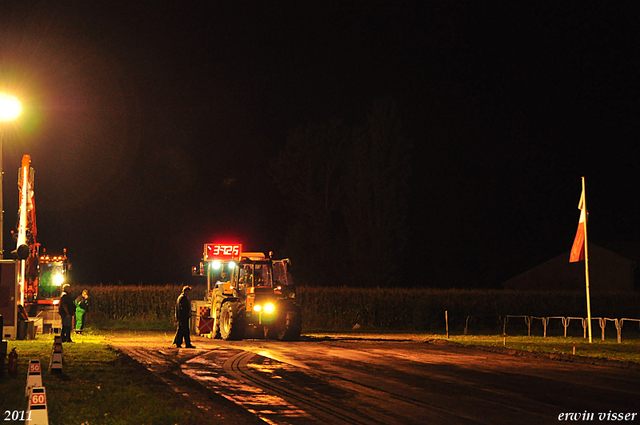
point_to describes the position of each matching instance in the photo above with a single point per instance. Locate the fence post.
(565, 323)
(619, 324)
(603, 324)
(527, 320)
(446, 320)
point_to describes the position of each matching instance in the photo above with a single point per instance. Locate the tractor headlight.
(58, 279)
(269, 308)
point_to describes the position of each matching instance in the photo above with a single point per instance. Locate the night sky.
(151, 126)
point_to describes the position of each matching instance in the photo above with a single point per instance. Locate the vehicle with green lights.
(44, 290)
(41, 275)
(53, 272)
(249, 294)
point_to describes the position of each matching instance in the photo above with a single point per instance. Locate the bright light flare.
(58, 279)
(216, 265)
(269, 308)
(10, 107)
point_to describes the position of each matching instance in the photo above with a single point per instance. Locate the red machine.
(26, 250)
(41, 276)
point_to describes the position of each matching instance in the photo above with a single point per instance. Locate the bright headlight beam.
(269, 308)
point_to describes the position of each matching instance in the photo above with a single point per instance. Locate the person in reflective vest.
(82, 305)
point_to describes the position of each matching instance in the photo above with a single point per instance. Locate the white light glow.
(10, 107)
(269, 308)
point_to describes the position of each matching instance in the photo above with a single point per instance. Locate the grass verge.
(99, 385)
(626, 351)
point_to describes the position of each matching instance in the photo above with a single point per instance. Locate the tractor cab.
(282, 279)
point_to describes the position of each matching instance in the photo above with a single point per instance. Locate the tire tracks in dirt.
(167, 365)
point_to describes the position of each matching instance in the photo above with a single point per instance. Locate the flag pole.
(586, 260)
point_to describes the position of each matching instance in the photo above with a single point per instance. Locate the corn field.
(381, 308)
(424, 309)
(120, 302)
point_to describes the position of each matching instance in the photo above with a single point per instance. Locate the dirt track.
(373, 380)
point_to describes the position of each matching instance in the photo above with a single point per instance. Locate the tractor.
(249, 294)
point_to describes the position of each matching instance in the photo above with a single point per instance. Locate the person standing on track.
(67, 310)
(183, 313)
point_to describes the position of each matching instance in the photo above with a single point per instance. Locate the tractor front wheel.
(216, 319)
(289, 324)
(231, 321)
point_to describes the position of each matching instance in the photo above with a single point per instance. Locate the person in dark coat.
(183, 313)
(67, 310)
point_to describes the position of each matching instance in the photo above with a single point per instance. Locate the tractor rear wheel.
(232, 323)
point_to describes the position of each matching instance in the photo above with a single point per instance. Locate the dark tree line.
(347, 187)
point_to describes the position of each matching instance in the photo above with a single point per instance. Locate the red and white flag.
(577, 250)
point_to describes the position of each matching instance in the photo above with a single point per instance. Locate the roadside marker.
(56, 356)
(205, 326)
(37, 412)
(34, 376)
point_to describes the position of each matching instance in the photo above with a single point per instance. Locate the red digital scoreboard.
(222, 251)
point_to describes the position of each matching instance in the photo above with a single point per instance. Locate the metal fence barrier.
(602, 321)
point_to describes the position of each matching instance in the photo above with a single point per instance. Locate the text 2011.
(17, 415)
